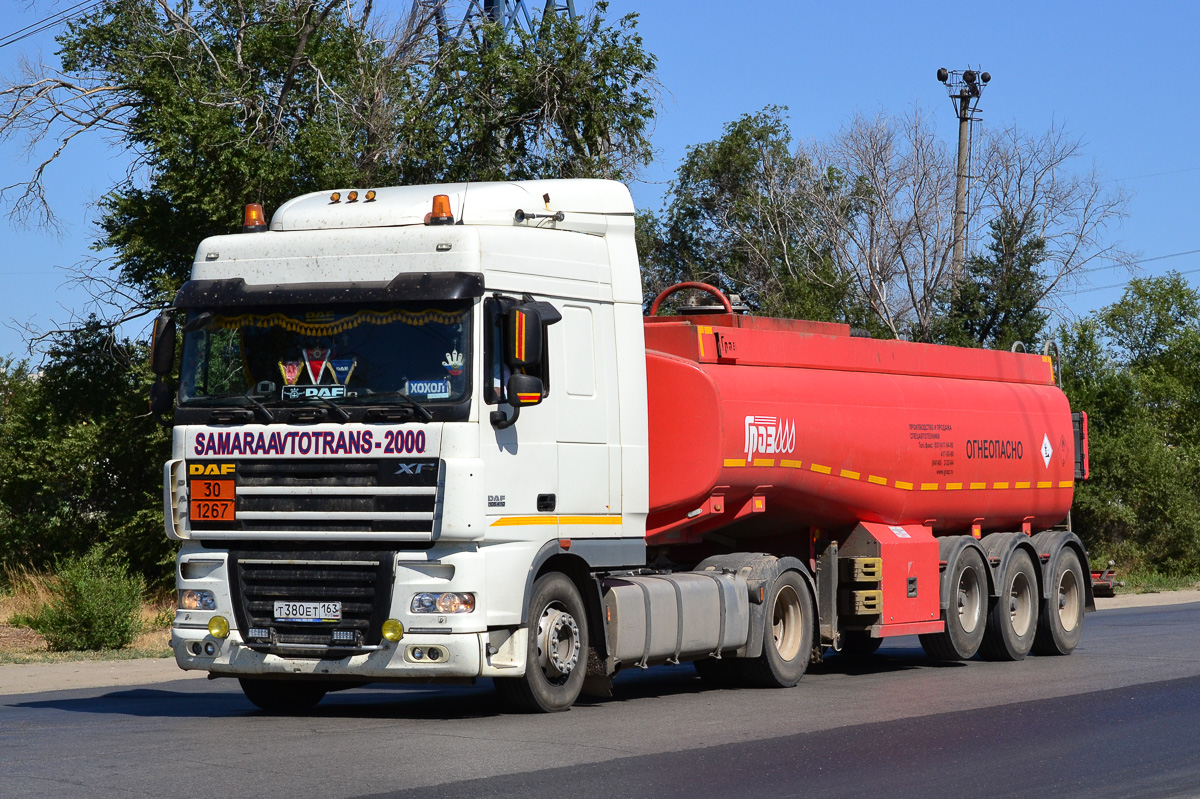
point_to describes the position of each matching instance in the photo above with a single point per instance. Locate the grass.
(27, 591)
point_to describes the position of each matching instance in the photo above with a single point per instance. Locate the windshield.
(335, 353)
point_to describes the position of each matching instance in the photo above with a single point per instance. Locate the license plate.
(308, 611)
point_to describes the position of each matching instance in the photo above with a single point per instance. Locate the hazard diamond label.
(1047, 450)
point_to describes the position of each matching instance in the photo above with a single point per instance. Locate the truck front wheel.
(283, 697)
(787, 636)
(556, 661)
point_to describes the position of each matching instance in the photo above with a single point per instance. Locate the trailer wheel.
(283, 697)
(1060, 623)
(787, 637)
(858, 644)
(1012, 619)
(556, 662)
(965, 617)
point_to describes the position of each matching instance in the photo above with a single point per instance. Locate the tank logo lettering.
(995, 449)
(769, 435)
(354, 442)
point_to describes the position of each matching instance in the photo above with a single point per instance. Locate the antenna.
(965, 88)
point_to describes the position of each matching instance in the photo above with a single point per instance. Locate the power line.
(1119, 285)
(1139, 262)
(49, 22)
(1156, 174)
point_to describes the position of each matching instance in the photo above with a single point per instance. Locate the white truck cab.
(354, 501)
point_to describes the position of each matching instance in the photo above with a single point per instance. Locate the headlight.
(196, 600)
(443, 603)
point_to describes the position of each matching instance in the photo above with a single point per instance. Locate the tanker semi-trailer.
(426, 434)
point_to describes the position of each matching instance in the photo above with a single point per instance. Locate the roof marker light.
(336, 197)
(253, 220)
(352, 197)
(371, 196)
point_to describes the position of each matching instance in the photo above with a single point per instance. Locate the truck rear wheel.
(965, 617)
(1060, 623)
(787, 636)
(283, 697)
(1013, 617)
(556, 661)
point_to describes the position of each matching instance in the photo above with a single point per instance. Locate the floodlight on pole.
(965, 87)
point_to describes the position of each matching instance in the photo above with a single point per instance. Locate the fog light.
(209, 649)
(393, 630)
(343, 636)
(218, 627)
(259, 632)
(418, 653)
(433, 653)
(196, 600)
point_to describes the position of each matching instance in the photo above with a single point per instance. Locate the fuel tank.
(767, 426)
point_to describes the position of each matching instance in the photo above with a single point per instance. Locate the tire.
(556, 661)
(283, 697)
(787, 636)
(1060, 622)
(1013, 615)
(717, 673)
(966, 617)
(859, 645)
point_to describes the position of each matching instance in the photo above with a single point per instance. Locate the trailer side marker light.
(1022, 485)
(565, 543)
(762, 594)
(976, 530)
(850, 474)
(929, 486)
(764, 461)
(954, 486)
(977, 486)
(791, 464)
(882, 481)
(1045, 484)
(732, 462)
(904, 485)
(760, 504)
(816, 467)
(999, 485)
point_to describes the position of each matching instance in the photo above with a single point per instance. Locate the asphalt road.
(1119, 717)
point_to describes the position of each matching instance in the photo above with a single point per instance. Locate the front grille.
(378, 498)
(360, 580)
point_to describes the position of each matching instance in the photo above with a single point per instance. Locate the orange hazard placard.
(212, 500)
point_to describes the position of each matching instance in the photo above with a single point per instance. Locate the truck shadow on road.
(224, 699)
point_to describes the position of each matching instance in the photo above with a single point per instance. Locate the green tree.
(1134, 368)
(736, 218)
(997, 300)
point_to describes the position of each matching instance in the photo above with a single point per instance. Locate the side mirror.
(524, 390)
(525, 333)
(162, 399)
(162, 345)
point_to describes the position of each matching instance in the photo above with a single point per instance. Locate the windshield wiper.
(333, 406)
(233, 399)
(369, 397)
(260, 407)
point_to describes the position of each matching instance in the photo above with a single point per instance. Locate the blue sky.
(1118, 75)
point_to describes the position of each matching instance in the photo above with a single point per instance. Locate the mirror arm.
(502, 421)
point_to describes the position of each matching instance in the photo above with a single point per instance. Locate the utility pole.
(965, 87)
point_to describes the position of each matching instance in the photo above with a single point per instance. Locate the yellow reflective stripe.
(882, 481)
(999, 485)
(791, 464)
(816, 467)
(904, 485)
(513, 521)
(929, 486)
(735, 461)
(977, 486)
(954, 486)
(1022, 485)
(1045, 484)
(764, 461)
(1066, 484)
(849, 474)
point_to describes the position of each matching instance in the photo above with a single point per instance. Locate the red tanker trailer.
(927, 487)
